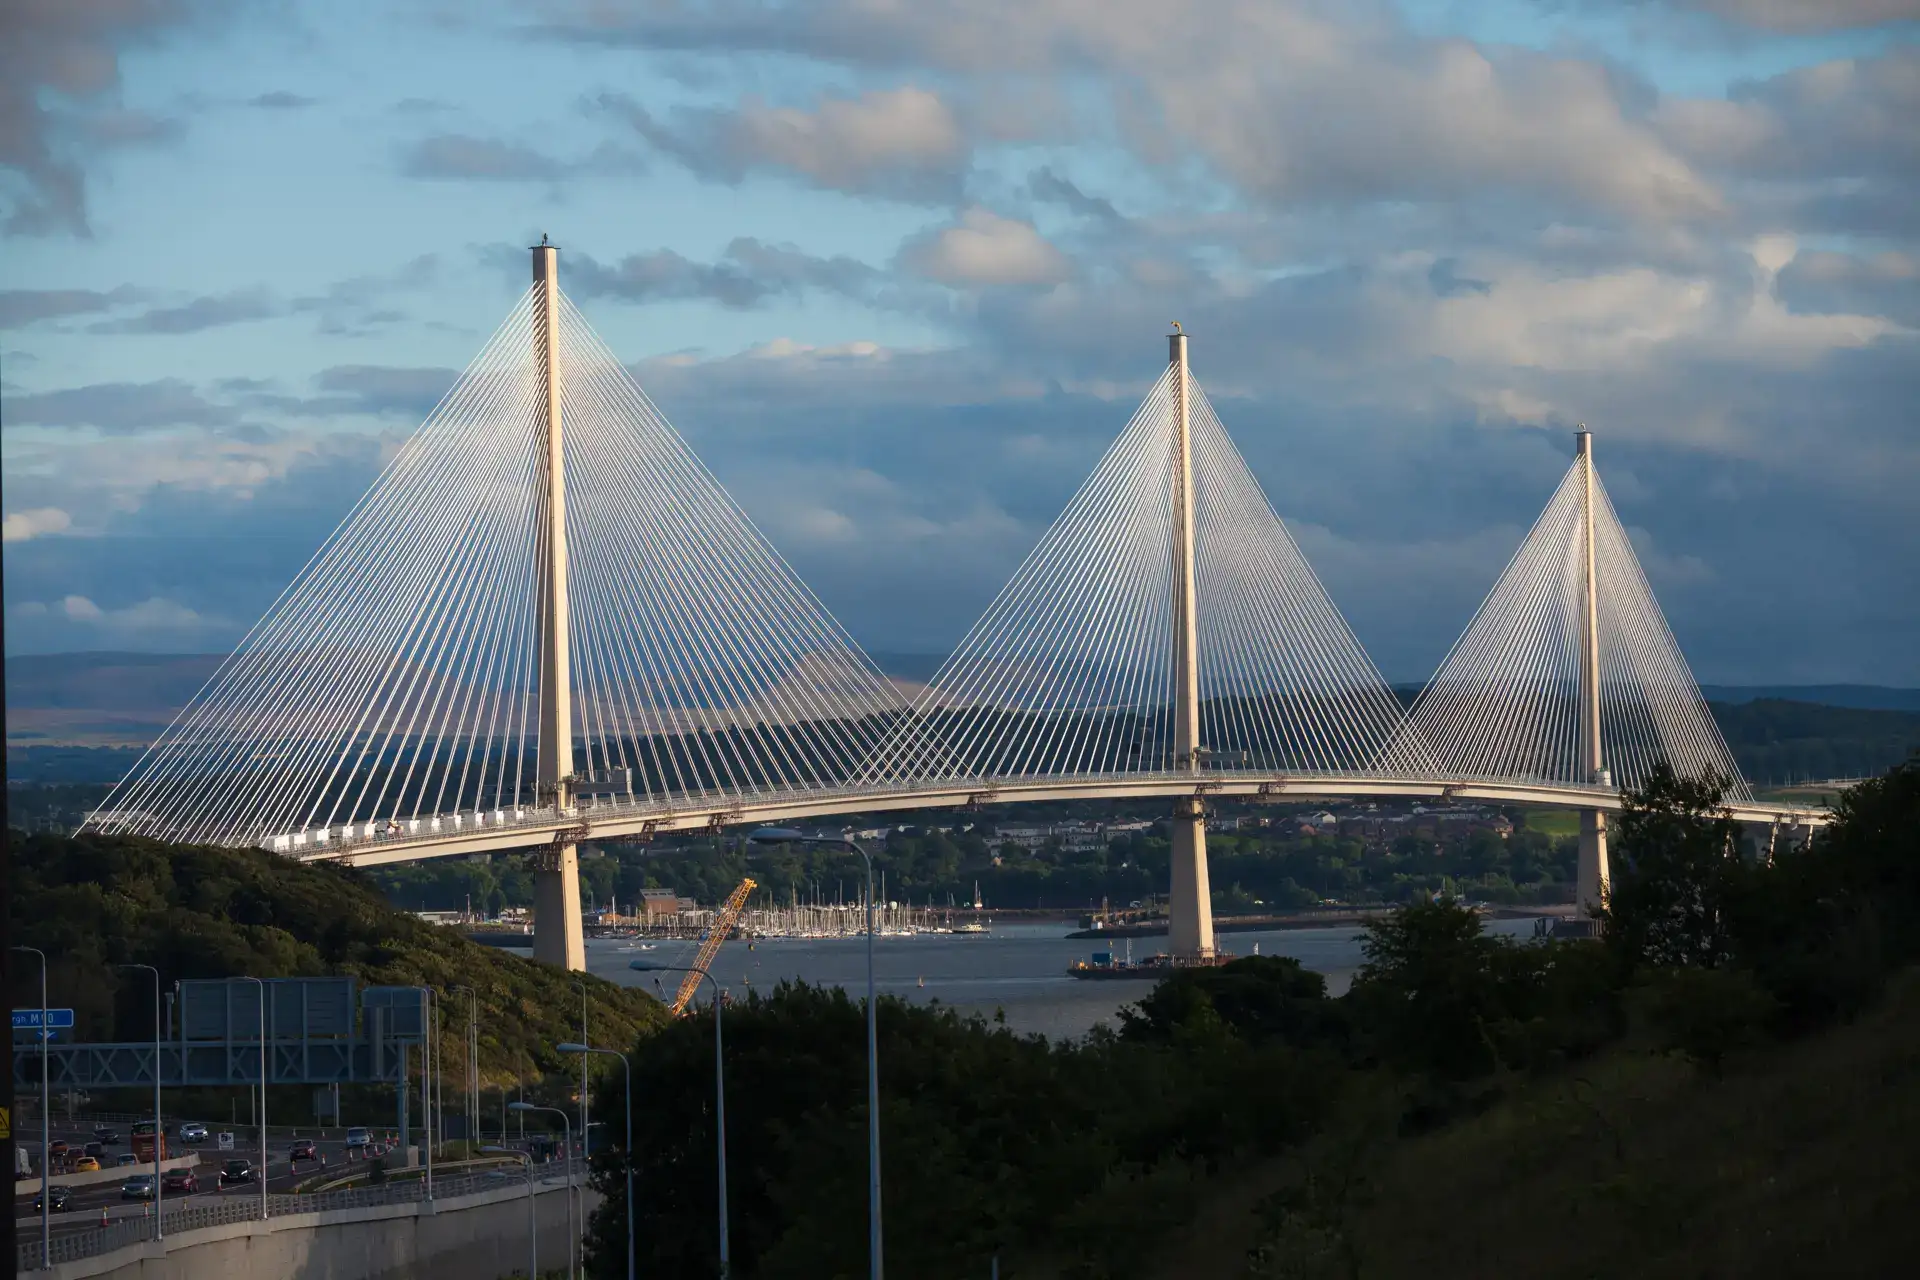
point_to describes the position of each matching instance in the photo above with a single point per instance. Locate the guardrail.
(72, 1246)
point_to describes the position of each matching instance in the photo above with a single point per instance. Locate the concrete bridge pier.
(558, 938)
(1190, 899)
(1590, 879)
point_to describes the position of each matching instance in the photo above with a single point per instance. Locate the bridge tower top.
(556, 668)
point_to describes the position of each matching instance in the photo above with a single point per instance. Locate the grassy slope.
(201, 912)
(1804, 1160)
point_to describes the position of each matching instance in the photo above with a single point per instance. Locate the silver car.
(138, 1187)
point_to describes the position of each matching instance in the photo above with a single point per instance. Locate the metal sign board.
(224, 1141)
(391, 1012)
(295, 1008)
(29, 1019)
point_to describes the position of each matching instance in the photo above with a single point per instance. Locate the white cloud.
(24, 526)
(983, 248)
(156, 613)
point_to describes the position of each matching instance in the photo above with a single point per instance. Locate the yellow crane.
(723, 922)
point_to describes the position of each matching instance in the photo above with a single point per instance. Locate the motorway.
(87, 1203)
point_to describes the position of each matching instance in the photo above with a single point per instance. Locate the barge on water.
(1103, 965)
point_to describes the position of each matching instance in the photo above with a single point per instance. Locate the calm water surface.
(1019, 968)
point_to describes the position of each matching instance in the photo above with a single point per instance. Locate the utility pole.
(1590, 880)
(557, 938)
(1189, 900)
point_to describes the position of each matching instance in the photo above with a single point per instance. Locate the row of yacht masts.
(810, 913)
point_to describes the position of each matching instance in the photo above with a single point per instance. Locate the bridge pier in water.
(558, 937)
(1190, 899)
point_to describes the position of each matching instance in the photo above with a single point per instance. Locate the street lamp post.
(876, 1264)
(567, 1131)
(473, 1066)
(46, 1124)
(263, 1090)
(533, 1217)
(719, 1101)
(583, 1050)
(159, 1124)
(429, 1114)
(586, 1132)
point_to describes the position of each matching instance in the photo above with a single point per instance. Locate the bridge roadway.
(490, 831)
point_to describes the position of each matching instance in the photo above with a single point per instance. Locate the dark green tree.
(1676, 875)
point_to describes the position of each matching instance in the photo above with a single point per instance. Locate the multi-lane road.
(86, 1203)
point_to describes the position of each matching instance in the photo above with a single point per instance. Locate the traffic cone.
(103, 1217)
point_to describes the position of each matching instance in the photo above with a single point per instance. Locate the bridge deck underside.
(487, 832)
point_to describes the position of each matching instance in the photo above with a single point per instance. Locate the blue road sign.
(29, 1019)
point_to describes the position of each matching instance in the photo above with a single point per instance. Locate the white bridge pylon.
(395, 688)
(1166, 637)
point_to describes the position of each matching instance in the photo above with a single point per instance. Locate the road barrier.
(73, 1245)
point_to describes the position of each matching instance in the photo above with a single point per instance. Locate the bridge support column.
(557, 935)
(1590, 878)
(1190, 902)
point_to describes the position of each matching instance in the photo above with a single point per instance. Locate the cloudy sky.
(899, 270)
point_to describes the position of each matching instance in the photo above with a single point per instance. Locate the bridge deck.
(489, 831)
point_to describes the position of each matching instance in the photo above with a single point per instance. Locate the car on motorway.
(303, 1149)
(193, 1131)
(59, 1197)
(180, 1181)
(234, 1172)
(86, 1164)
(359, 1138)
(126, 1158)
(56, 1149)
(96, 1150)
(138, 1187)
(107, 1135)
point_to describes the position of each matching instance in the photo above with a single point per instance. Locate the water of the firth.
(1018, 968)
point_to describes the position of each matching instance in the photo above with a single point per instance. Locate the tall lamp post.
(876, 1266)
(586, 1132)
(719, 1101)
(263, 1090)
(159, 1125)
(533, 1216)
(583, 1050)
(566, 1128)
(473, 1066)
(46, 1119)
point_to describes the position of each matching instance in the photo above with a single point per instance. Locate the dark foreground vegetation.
(91, 902)
(1725, 1085)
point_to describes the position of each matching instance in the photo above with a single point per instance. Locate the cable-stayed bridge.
(547, 621)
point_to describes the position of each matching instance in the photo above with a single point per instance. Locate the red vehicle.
(180, 1182)
(304, 1150)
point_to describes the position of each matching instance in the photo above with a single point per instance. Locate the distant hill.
(99, 699)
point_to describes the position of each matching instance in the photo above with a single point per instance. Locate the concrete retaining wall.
(476, 1237)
